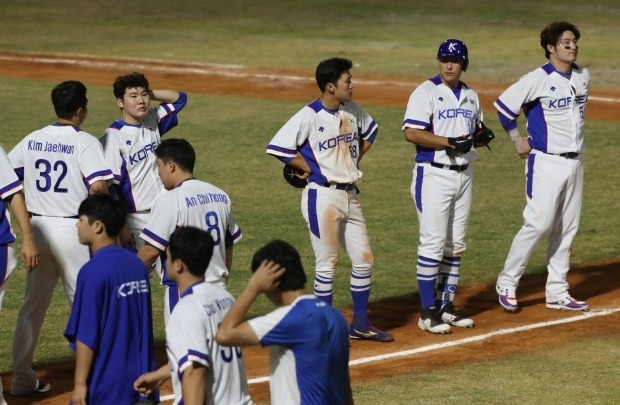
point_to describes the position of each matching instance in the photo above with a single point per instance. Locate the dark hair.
(107, 209)
(279, 251)
(551, 34)
(68, 97)
(179, 151)
(330, 70)
(130, 81)
(192, 246)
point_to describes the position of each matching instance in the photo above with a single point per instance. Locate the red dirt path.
(598, 283)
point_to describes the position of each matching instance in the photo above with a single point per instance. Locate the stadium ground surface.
(496, 334)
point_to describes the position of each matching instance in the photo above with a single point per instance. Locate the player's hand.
(29, 254)
(523, 147)
(147, 382)
(266, 277)
(78, 397)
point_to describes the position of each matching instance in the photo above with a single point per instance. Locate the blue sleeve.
(171, 120)
(506, 123)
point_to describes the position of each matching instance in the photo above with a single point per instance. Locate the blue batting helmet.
(454, 48)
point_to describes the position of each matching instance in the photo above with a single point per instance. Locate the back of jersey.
(58, 163)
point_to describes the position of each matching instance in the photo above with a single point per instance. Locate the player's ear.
(119, 103)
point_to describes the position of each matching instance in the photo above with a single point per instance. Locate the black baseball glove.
(483, 136)
(291, 175)
(461, 144)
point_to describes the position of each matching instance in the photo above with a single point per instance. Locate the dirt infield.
(598, 283)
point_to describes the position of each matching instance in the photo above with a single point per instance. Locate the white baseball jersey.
(436, 108)
(204, 206)
(190, 338)
(554, 105)
(129, 150)
(9, 185)
(58, 164)
(328, 140)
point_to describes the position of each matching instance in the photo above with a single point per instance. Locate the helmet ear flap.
(454, 48)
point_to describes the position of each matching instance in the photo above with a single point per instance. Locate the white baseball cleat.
(507, 298)
(568, 303)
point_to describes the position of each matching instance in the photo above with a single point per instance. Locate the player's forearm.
(229, 258)
(164, 96)
(425, 138)
(234, 329)
(148, 254)
(84, 356)
(300, 163)
(17, 204)
(100, 186)
(364, 147)
(193, 385)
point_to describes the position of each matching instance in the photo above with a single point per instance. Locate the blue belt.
(339, 186)
(52, 216)
(456, 168)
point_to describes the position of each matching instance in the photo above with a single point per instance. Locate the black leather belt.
(456, 168)
(52, 216)
(339, 186)
(567, 155)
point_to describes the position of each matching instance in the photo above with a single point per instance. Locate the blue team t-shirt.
(309, 352)
(112, 315)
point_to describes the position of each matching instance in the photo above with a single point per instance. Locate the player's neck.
(75, 121)
(561, 66)
(186, 280)
(330, 102)
(101, 242)
(288, 297)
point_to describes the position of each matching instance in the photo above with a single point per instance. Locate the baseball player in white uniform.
(129, 145)
(202, 370)
(189, 202)
(441, 114)
(553, 98)
(326, 140)
(12, 197)
(60, 165)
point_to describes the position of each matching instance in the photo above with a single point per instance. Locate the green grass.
(543, 377)
(395, 38)
(230, 134)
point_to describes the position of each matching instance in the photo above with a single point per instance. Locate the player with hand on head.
(553, 98)
(202, 371)
(442, 115)
(129, 145)
(189, 202)
(60, 165)
(307, 339)
(12, 198)
(326, 141)
(110, 327)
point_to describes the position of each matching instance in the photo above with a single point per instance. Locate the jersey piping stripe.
(312, 214)
(11, 189)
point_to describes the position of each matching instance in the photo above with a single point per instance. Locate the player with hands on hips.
(188, 202)
(326, 140)
(111, 325)
(129, 145)
(442, 119)
(553, 99)
(60, 166)
(12, 198)
(202, 370)
(307, 338)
